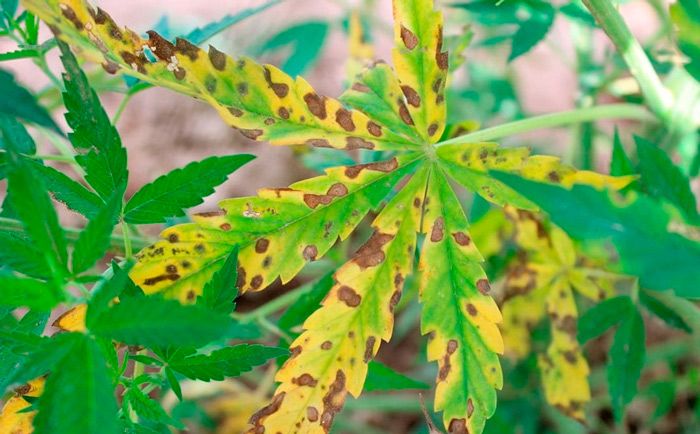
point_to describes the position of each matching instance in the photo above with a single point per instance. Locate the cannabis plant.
(173, 303)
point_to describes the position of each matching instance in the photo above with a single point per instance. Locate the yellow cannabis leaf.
(542, 283)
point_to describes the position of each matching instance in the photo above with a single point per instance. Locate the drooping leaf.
(223, 363)
(263, 102)
(94, 239)
(626, 361)
(102, 155)
(329, 359)
(153, 321)
(421, 65)
(220, 292)
(637, 226)
(458, 313)
(543, 281)
(277, 232)
(305, 39)
(664, 179)
(18, 102)
(78, 397)
(182, 188)
(685, 14)
(382, 377)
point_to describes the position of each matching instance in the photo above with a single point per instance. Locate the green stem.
(588, 114)
(276, 304)
(128, 250)
(656, 95)
(117, 241)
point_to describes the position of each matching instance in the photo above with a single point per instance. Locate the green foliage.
(82, 373)
(626, 361)
(132, 328)
(226, 362)
(182, 188)
(305, 40)
(154, 322)
(686, 17)
(382, 377)
(638, 226)
(18, 102)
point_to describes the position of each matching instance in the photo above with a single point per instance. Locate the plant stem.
(128, 251)
(117, 241)
(276, 304)
(656, 95)
(588, 114)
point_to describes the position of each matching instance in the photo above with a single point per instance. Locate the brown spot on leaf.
(267, 261)
(570, 357)
(382, 166)
(171, 269)
(225, 226)
(432, 129)
(157, 279)
(344, 118)
(310, 252)
(369, 349)
(261, 245)
(173, 238)
(136, 62)
(471, 309)
(70, 15)
(252, 134)
(333, 400)
(187, 48)
(553, 176)
(258, 418)
(235, 111)
(161, 47)
(394, 300)
(374, 129)
(336, 190)
(411, 95)
(280, 89)
(457, 426)
(438, 230)
(217, 58)
(461, 238)
(483, 286)
(316, 104)
(371, 254)
(404, 113)
(326, 345)
(349, 296)
(358, 143)
(470, 407)
(442, 59)
(319, 143)
(256, 282)
(437, 85)
(305, 380)
(240, 282)
(283, 112)
(110, 67)
(312, 414)
(410, 40)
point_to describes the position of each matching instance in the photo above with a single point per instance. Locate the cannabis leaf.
(181, 188)
(543, 282)
(401, 110)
